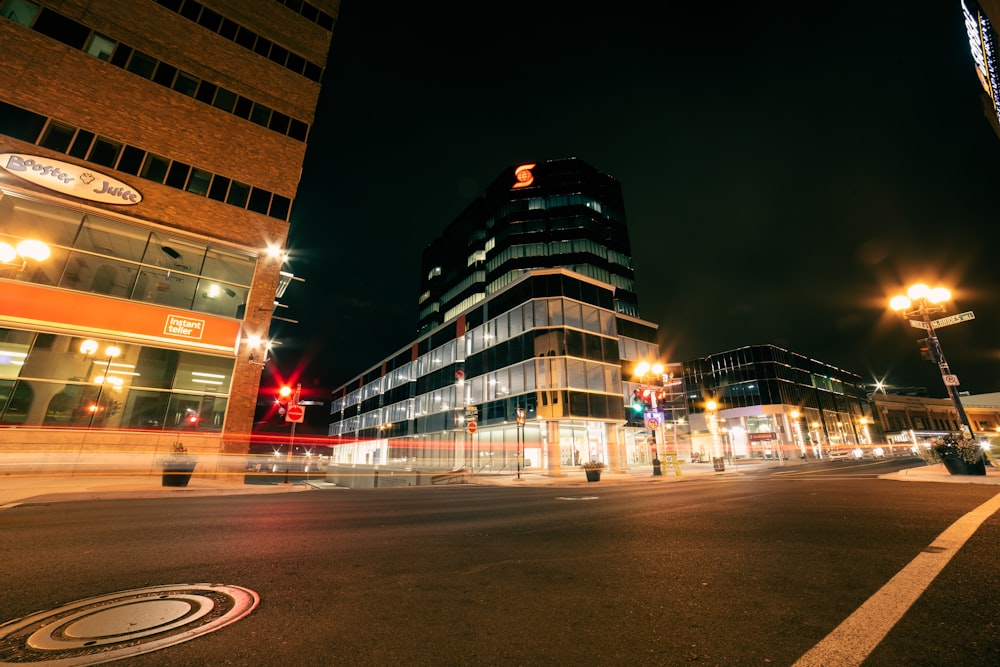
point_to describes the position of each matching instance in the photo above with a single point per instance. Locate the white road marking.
(852, 641)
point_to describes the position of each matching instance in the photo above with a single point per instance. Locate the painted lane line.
(852, 641)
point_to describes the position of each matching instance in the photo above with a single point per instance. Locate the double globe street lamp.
(917, 306)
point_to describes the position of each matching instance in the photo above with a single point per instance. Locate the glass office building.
(549, 346)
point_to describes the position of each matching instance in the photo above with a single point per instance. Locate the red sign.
(757, 437)
(523, 175)
(472, 427)
(296, 413)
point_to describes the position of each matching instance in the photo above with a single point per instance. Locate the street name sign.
(944, 321)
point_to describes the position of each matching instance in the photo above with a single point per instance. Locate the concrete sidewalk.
(919, 473)
(20, 489)
(16, 490)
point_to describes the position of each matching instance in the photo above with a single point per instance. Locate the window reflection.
(73, 382)
(104, 256)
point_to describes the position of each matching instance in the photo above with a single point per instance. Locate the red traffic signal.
(284, 397)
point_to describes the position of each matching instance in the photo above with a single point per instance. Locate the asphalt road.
(750, 570)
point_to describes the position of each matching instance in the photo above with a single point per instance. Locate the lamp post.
(519, 428)
(652, 419)
(921, 302)
(797, 432)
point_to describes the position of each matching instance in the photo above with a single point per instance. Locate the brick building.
(156, 153)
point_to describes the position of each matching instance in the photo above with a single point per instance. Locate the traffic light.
(637, 403)
(925, 349)
(284, 397)
(649, 398)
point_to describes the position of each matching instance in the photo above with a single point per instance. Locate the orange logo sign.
(524, 176)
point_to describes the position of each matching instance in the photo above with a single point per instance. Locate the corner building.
(550, 344)
(527, 306)
(155, 149)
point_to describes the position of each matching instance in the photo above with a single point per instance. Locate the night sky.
(785, 171)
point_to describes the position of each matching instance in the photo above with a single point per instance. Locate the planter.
(593, 475)
(178, 473)
(956, 465)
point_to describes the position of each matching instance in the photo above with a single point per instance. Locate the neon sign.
(524, 176)
(982, 44)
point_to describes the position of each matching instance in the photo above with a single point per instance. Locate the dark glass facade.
(561, 213)
(761, 399)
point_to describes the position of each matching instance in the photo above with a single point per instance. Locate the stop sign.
(472, 427)
(296, 413)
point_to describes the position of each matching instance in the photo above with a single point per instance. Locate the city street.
(747, 569)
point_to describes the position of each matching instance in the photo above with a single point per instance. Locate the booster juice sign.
(69, 179)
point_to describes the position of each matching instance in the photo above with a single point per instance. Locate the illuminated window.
(100, 47)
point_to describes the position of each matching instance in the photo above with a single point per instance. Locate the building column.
(616, 458)
(552, 448)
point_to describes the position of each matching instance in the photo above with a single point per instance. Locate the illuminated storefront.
(121, 326)
(158, 173)
(762, 401)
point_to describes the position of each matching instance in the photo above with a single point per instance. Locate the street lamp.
(519, 429)
(921, 302)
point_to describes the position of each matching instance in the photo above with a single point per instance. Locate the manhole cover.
(119, 625)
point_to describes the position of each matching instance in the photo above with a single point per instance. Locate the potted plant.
(178, 466)
(593, 470)
(960, 455)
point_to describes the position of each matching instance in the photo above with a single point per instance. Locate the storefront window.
(104, 256)
(50, 380)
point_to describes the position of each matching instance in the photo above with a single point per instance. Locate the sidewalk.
(16, 490)
(20, 489)
(919, 473)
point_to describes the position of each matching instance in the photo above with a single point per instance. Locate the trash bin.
(719, 464)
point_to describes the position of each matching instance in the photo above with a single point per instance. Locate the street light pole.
(518, 426)
(920, 302)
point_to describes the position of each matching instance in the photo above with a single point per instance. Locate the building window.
(100, 47)
(57, 137)
(19, 11)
